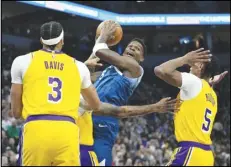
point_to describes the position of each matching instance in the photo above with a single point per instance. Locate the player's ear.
(142, 58)
(41, 41)
(202, 67)
(62, 41)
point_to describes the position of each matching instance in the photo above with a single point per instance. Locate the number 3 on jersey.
(207, 121)
(56, 94)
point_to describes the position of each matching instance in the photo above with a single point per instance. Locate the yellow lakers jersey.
(194, 120)
(51, 85)
(86, 129)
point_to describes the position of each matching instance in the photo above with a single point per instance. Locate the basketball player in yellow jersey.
(45, 92)
(194, 120)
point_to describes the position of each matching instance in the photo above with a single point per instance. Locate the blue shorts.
(103, 151)
(88, 156)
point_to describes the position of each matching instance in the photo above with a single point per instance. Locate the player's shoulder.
(22, 59)
(190, 75)
(190, 79)
(80, 64)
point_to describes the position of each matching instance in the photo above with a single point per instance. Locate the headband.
(53, 41)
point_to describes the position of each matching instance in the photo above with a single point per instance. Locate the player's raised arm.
(102, 51)
(164, 105)
(167, 71)
(88, 90)
(16, 88)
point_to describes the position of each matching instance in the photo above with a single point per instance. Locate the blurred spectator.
(12, 130)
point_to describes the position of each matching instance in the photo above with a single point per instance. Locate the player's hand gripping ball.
(112, 30)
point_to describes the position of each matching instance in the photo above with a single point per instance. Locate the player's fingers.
(204, 60)
(224, 73)
(165, 99)
(204, 52)
(174, 101)
(198, 50)
(97, 59)
(99, 64)
(203, 57)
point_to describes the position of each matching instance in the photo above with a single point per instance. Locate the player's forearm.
(170, 66)
(16, 100)
(91, 68)
(107, 110)
(130, 111)
(126, 111)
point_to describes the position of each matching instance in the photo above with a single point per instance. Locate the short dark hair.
(141, 41)
(51, 30)
(211, 68)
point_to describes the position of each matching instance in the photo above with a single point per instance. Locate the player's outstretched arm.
(217, 78)
(167, 71)
(165, 104)
(102, 51)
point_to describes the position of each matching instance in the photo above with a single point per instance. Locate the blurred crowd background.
(142, 141)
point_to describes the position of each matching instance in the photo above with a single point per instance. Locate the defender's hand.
(166, 104)
(197, 56)
(218, 78)
(92, 61)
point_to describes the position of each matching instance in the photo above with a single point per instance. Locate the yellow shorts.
(48, 140)
(88, 156)
(192, 154)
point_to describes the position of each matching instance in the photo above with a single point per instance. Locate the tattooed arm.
(106, 109)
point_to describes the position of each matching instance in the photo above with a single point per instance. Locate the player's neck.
(206, 79)
(47, 48)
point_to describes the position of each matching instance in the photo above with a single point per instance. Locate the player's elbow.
(160, 72)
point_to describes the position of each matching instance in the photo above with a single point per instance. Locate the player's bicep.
(173, 78)
(16, 99)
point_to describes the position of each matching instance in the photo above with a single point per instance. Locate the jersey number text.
(207, 121)
(56, 85)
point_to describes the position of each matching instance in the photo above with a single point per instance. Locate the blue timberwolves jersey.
(113, 88)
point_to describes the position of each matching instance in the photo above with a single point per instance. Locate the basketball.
(116, 37)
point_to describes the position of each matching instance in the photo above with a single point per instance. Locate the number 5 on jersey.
(207, 121)
(56, 95)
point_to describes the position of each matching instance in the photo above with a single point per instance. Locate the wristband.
(99, 46)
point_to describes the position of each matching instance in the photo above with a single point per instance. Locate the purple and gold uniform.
(51, 93)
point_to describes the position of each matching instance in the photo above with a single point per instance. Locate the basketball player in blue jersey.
(115, 85)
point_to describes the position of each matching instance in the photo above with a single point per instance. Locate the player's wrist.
(103, 38)
(99, 46)
(184, 60)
